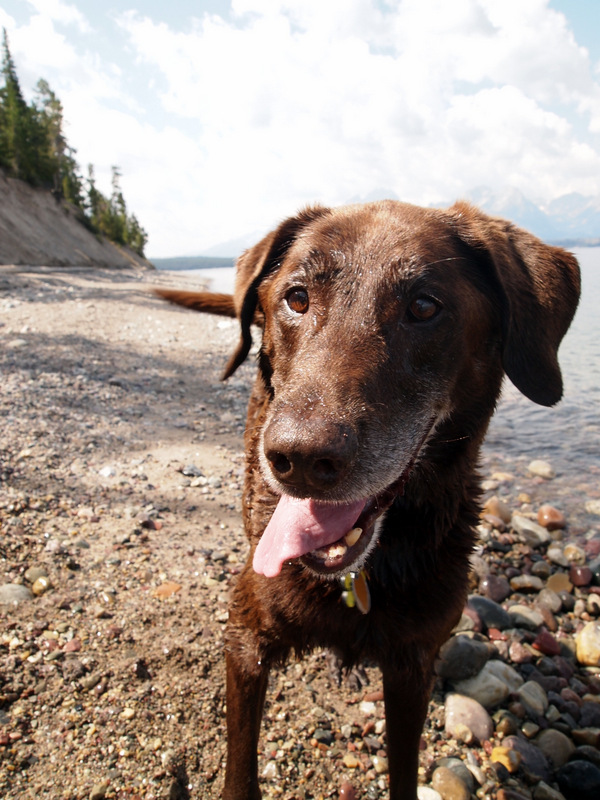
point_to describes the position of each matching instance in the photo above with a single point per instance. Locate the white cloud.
(284, 103)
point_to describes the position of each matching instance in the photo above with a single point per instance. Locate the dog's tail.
(209, 302)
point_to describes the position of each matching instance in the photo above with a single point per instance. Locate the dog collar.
(356, 591)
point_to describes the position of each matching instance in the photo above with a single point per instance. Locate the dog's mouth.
(328, 538)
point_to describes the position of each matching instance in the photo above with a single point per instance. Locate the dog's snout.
(313, 453)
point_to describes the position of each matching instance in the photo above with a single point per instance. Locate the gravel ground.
(120, 472)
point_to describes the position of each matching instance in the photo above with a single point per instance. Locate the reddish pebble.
(347, 791)
(551, 518)
(580, 576)
(372, 697)
(73, 646)
(495, 587)
(495, 635)
(546, 643)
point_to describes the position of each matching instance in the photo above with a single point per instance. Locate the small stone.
(580, 576)
(541, 569)
(533, 761)
(510, 759)
(593, 507)
(491, 614)
(495, 587)
(33, 573)
(107, 472)
(270, 771)
(525, 617)
(464, 711)
(485, 688)
(529, 531)
(574, 554)
(533, 698)
(350, 761)
(427, 793)
(507, 674)
(541, 468)
(167, 589)
(526, 583)
(544, 792)
(461, 657)
(497, 508)
(556, 746)
(559, 582)
(579, 780)
(128, 713)
(41, 586)
(556, 555)
(460, 769)
(551, 518)
(549, 599)
(347, 791)
(588, 645)
(99, 790)
(380, 764)
(14, 593)
(546, 643)
(449, 785)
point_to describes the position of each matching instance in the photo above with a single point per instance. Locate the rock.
(459, 768)
(525, 617)
(541, 569)
(549, 599)
(449, 785)
(461, 657)
(347, 791)
(14, 593)
(593, 507)
(380, 764)
(509, 758)
(544, 792)
(556, 555)
(41, 586)
(580, 576)
(557, 747)
(529, 531)
(426, 793)
(506, 674)
(99, 790)
(533, 698)
(574, 554)
(551, 518)
(167, 589)
(526, 583)
(546, 643)
(533, 762)
(559, 582)
(588, 645)
(467, 712)
(579, 780)
(590, 715)
(497, 508)
(351, 761)
(485, 688)
(491, 614)
(33, 573)
(494, 587)
(542, 469)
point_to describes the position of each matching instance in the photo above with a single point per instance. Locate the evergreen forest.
(34, 149)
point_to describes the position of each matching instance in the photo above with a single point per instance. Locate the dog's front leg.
(406, 699)
(247, 677)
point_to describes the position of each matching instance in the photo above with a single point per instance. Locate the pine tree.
(13, 115)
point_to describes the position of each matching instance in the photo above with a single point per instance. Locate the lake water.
(567, 435)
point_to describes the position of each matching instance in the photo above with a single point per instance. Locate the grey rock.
(14, 593)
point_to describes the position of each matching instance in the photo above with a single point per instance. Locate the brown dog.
(387, 330)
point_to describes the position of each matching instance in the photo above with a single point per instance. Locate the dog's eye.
(297, 300)
(422, 309)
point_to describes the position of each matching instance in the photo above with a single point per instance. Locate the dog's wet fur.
(387, 330)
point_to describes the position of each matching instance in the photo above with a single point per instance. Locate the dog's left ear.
(252, 268)
(539, 286)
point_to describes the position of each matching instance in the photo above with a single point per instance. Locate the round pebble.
(533, 698)
(551, 518)
(14, 593)
(449, 785)
(555, 746)
(541, 468)
(464, 711)
(588, 645)
(495, 587)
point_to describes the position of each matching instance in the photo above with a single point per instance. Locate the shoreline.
(121, 465)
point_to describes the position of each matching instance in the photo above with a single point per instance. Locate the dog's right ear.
(252, 268)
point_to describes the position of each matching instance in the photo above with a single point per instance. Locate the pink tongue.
(300, 526)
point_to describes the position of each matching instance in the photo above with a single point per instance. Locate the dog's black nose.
(307, 454)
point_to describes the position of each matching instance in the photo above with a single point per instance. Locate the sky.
(226, 116)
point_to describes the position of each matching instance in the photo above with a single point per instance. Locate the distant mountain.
(192, 262)
(573, 217)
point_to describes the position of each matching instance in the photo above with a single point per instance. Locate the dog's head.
(384, 326)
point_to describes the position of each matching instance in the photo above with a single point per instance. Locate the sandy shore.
(120, 472)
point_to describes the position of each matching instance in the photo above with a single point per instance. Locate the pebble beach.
(121, 465)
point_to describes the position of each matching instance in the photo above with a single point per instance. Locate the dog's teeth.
(352, 537)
